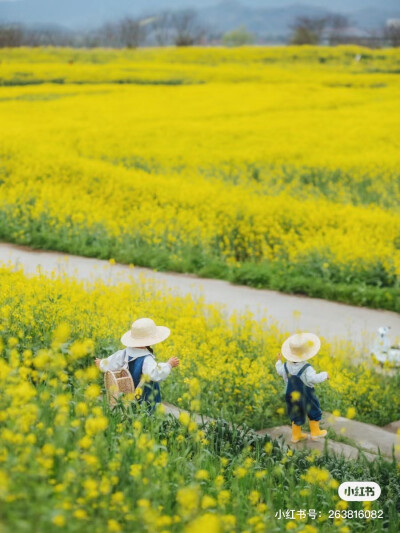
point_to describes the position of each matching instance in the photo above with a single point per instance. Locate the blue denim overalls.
(151, 390)
(305, 402)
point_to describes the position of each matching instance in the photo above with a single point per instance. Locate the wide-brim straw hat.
(301, 347)
(144, 332)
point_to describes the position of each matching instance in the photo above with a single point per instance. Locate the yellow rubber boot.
(297, 435)
(317, 433)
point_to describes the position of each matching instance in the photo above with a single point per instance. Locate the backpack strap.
(286, 370)
(299, 373)
(142, 380)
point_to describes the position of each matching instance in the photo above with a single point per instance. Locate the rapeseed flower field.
(232, 360)
(68, 463)
(271, 167)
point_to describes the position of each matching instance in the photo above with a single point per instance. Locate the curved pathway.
(329, 319)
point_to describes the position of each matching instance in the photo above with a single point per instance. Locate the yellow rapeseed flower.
(188, 500)
(351, 412)
(59, 520)
(92, 392)
(113, 526)
(135, 470)
(207, 522)
(202, 475)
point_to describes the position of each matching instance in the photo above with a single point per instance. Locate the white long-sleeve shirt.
(121, 359)
(309, 377)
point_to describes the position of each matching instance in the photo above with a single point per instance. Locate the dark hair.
(150, 349)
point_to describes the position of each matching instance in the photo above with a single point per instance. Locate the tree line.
(185, 28)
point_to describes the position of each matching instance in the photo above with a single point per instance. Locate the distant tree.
(131, 32)
(161, 26)
(49, 37)
(106, 35)
(187, 29)
(307, 30)
(11, 35)
(336, 25)
(392, 33)
(125, 33)
(238, 37)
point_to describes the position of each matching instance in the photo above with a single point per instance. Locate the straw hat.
(300, 347)
(144, 332)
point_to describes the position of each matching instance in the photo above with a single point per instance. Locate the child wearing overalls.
(300, 377)
(139, 359)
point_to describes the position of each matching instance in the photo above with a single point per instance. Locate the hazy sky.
(332, 4)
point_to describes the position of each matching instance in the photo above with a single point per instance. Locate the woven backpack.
(119, 383)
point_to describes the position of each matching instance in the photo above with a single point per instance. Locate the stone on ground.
(394, 427)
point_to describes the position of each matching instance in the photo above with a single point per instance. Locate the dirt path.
(329, 319)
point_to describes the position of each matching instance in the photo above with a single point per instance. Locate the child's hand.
(279, 356)
(327, 376)
(174, 361)
(97, 362)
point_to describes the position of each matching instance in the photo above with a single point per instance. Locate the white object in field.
(383, 349)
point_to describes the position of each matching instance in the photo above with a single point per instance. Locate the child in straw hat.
(139, 359)
(300, 377)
